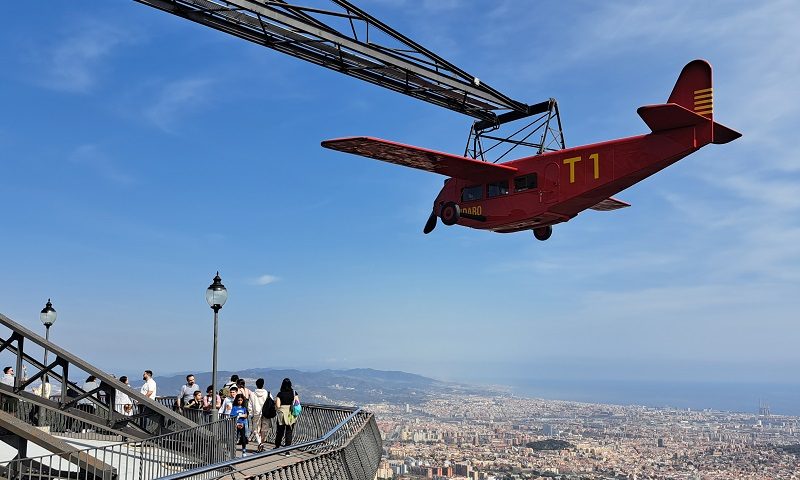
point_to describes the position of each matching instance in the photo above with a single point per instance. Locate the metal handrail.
(144, 459)
(308, 445)
(198, 416)
(57, 421)
(344, 441)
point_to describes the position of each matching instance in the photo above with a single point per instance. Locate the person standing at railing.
(211, 402)
(257, 400)
(244, 391)
(187, 391)
(240, 413)
(226, 389)
(8, 376)
(124, 404)
(37, 390)
(227, 404)
(149, 390)
(9, 403)
(283, 403)
(193, 408)
(247, 394)
(196, 403)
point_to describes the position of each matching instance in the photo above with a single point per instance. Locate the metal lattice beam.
(350, 41)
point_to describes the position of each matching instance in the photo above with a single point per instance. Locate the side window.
(525, 182)
(496, 189)
(469, 194)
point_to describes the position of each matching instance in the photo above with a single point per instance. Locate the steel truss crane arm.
(350, 41)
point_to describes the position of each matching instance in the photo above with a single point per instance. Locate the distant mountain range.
(354, 386)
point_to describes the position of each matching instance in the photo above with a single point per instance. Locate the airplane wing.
(421, 158)
(610, 203)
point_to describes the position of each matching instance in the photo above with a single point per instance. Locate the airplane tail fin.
(693, 90)
(690, 103)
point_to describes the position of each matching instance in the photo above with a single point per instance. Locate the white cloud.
(743, 199)
(265, 280)
(176, 99)
(74, 63)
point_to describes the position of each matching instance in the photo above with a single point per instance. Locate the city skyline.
(143, 153)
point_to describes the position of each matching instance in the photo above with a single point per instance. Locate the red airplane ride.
(535, 193)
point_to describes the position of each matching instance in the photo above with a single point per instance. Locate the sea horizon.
(735, 396)
(741, 397)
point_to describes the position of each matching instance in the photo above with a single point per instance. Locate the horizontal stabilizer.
(610, 203)
(668, 116)
(723, 134)
(421, 158)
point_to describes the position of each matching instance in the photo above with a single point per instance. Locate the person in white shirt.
(8, 403)
(257, 400)
(8, 376)
(123, 403)
(37, 390)
(149, 387)
(149, 391)
(227, 404)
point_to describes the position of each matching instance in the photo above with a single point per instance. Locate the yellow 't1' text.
(573, 160)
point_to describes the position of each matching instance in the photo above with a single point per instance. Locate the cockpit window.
(497, 188)
(470, 194)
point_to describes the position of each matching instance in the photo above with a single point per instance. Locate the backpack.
(268, 410)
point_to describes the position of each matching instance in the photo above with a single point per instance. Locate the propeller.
(430, 224)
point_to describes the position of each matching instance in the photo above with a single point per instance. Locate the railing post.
(18, 368)
(65, 381)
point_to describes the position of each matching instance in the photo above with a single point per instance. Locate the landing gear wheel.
(450, 213)
(543, 233)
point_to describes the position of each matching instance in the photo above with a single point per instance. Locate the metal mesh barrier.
(329, 443)
(55, 421)
(146, 459)
(333, 443)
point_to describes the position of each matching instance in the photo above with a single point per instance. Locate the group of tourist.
(253, 409)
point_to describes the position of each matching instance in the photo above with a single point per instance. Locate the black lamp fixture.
(216, 296)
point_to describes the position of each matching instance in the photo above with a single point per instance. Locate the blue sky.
(142, 152)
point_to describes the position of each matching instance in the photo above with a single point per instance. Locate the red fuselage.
(554, 187)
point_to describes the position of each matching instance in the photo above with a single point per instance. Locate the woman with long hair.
(240, 413)
(285, 420)
(210, 401)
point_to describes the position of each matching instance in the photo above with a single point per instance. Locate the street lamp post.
(48, 318)
(216, 295)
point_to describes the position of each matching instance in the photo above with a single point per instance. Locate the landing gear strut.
(543, 233)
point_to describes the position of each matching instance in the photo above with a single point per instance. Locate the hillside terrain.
(353, 386)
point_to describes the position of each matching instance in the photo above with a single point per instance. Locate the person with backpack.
(228, 403)
(257, 400)
(225, 391)
(284, 403)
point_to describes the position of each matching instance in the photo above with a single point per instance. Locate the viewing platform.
(81, 434)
